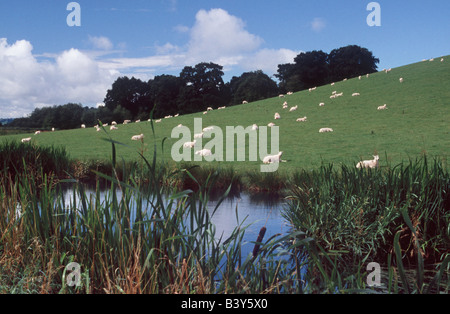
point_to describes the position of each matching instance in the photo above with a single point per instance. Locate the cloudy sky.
(43, 61)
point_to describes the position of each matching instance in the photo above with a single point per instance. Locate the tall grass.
(151, 239)
(361, 216)
(128, 242)
(15, 158)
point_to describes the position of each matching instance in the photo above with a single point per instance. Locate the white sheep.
(137, 137)
(114, 123)
(290, 93)
(204, 152)
(26, 140)
(126, 121)
(384, 107)
(209, 109)
(113, 127)
(83, 126)
(281, 96)
(37, 132)
(301, 119)
(271, 124)
(277, 116)
(158, 121)
(53, 129)
(189, 144)
(245, 102)
(293, 109)
(325, 130)
(369, 163)
(199, 135)
(321, 104)
(272, 159)
(138, 121)
(356, 94)
(220, 108)
(254, 127)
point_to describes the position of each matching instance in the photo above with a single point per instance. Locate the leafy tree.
(252, 86)
(202, 87)
(131, 94)
(165, 91)
(351, 61)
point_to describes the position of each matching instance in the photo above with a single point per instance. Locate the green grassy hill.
(416, 122)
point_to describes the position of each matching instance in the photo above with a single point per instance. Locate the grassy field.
(416, 122)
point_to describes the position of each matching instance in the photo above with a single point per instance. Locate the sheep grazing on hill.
(293, 109)
(254, 127)
(290, 93)
(139, 137)
(245, 102)
(285, 106)
(83, 126)
(325, 130)
(273, 159)
(442, 60)
(189, 144)
(401, 80)
(384, 107)
(321, 104)
(53, 129)
(113, 127)
(220, 108)
(26, 140)
(277, 116)
(301, 119)
(199, 135)
(369, 163)
(126, 121)
(281, 96)
(209, 109)
(204, 152)
(356, 94)
(114, 123)
(138, 121)
(37, 132)
(271, 124)
(158, 121)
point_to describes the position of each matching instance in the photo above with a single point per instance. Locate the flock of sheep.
(268, 159)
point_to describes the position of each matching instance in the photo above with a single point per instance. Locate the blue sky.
(45, 62)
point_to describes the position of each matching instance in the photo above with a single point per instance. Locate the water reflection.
(253, 211)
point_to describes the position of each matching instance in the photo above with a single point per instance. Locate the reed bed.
(156, 235)
(360, 216)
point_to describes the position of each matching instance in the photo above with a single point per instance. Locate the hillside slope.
(416, 122)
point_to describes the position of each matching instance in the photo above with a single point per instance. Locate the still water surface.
(253, 212)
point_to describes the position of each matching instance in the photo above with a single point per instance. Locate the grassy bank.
(415, 123)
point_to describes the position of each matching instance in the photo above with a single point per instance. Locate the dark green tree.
(131, 94)
(351, 61)
(202, 87)
(252, 86)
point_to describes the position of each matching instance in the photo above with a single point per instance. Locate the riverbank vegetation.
(156, 236)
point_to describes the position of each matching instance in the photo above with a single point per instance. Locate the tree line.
(201, 86)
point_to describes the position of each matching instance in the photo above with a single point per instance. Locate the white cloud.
(318, 24)
(217, 34)
(27, 83)
(101, 42)
(268, 60)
